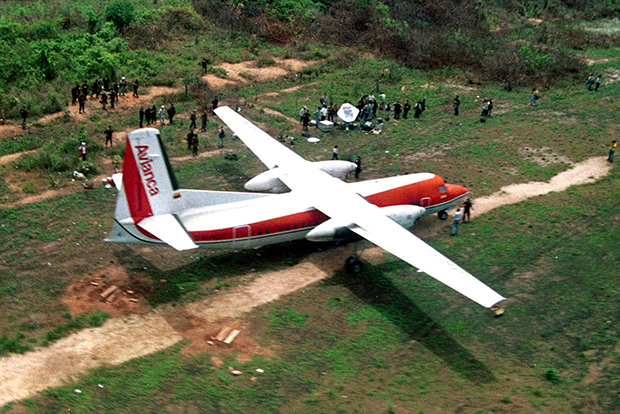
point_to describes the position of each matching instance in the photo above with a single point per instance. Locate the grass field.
(391, 340)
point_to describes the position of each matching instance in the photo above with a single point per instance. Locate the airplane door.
(241, 236)
(425, 201)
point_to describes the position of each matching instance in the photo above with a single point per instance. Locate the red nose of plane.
(456, 191)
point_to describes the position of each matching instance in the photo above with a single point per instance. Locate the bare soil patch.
(245, 72)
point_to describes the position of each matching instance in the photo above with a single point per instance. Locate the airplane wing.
(335, 199)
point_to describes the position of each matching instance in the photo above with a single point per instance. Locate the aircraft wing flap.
(168, 228)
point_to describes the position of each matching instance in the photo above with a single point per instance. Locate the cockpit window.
(443, 189)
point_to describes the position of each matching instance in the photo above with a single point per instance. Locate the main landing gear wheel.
(443, 214)
(353, 265)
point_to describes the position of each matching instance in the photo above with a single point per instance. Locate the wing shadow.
(375, 289)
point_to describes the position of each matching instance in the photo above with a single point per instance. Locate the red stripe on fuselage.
(407, 194)
(306, 219)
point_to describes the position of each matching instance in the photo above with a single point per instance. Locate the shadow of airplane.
(375, 289)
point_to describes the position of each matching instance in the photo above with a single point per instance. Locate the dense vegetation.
(45, 48)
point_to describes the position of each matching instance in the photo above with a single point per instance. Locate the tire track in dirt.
(122, 339)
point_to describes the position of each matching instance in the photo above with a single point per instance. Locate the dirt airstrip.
(123, 338)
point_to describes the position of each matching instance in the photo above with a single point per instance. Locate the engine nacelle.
(269, 181)
(331, 230)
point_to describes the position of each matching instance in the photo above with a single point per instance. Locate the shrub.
(8, 344)
(552, 375)
(121, 13)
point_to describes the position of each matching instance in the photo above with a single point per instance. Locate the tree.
(121, 13)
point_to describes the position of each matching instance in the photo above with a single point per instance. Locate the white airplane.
(314, 203)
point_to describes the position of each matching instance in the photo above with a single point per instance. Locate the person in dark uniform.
(141, 114)
(457, 103)
(467, 207)
(204, 62)
(24, 113)
(195, 145)
(192, 118)
(203, 118)
(358, 167)
(106, 83)
(135, 86)
(108, 136)
(214, 103)
(82, 103)
(398, 108)
(406, 109)
(85, 89)
(171, 113)
(190, 139)
(112, 95)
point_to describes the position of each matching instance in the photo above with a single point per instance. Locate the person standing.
(162, 115)
(467, 207)
(457, 221)
(534, 97)
(82, 151)
(123, 86)
(192, 118)
(195, 145)
(305, 119)
(398, 108)
(335, 152)
(612, 150)
(457, 104)
(485, 109)
(214, 103)
(108, 136)
(220, 138)
(406, 109)
(358, 167)
(599, 79)
(24, 113)
(590, 81)
(171, 113)
(75, 93)
(418, 109)
(190, 139)
(204, 62)
(113, 95)
(81, 103)
(135, 84)
(203, 120)
(141, 114)
(317, 116)
(104, 100)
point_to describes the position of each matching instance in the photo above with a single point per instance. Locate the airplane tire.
(443, 214)
(353, 265)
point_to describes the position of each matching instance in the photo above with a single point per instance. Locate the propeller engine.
(269, 181)
(331, 230)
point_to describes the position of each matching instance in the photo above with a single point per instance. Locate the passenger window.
(280, 228)
(443, 189)
(260, 232)
(266, 231)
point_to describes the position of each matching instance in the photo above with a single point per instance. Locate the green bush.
(552, 375)
(121, 13)
(14, 345)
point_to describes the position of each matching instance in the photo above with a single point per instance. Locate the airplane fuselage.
(219, 220)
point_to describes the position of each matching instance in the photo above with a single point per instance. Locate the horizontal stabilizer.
(168, 229)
